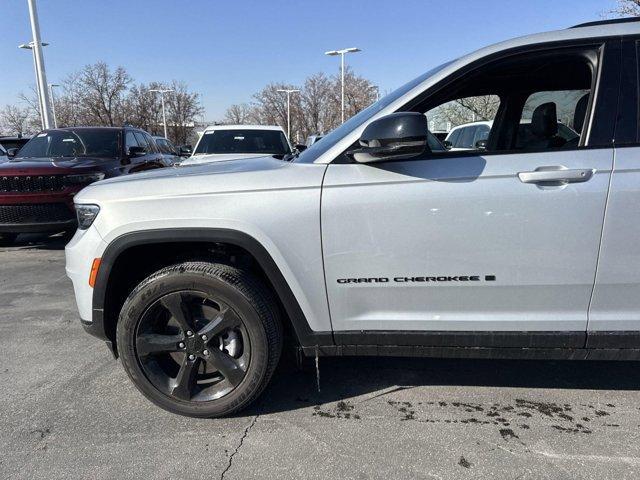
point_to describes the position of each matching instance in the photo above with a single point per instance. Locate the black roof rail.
(608, 22)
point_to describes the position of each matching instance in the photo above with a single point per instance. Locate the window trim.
(606, 48)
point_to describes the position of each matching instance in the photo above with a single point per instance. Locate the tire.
(7, 239)
(171, 310)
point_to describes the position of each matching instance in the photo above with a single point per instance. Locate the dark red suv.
(39, 181)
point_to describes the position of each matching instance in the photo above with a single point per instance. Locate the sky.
(228, 50)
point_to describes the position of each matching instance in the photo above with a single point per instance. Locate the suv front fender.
(101, 327)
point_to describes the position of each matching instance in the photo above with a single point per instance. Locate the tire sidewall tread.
(249, 298)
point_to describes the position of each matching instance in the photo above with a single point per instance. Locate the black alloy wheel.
(193, 347)
(200, 339)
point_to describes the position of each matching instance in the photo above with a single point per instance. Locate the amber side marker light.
(95, 266)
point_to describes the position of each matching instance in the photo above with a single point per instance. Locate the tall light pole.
(162, 91)
(288, 92)
(53, 104)
(333, 53)
(29, 46)
(41, 76)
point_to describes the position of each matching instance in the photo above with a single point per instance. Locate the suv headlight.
(83, 178)
(86, 215)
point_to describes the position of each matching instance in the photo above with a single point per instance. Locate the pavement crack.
(244, 435)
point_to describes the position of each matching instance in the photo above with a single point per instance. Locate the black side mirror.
(447, 144)
(481, 144)
(12, 152)
(184, 151)
(300, 147)
(136, 151)
(397, 136)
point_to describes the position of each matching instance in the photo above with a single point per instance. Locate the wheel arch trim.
(303, 332)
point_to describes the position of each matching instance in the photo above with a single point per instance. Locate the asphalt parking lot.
(69, 411)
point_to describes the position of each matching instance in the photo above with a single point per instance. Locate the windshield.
(268, 142)
(73, 143)
(329, 140)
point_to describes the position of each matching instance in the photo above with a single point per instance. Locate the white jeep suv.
(375, 241)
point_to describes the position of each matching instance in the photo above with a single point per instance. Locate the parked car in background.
(440, 134)
(38, 183)
(9, 142)
(466, 136)
(185, 150)
(234, 142)
(3, 155)
(168, 150)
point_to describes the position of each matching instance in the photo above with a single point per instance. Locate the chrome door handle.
(557, 175)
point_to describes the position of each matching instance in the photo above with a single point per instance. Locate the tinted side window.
(172, 149)
(466, 139)
(130, 141)
(162, 145)
(150, 142)
(472, 112)
(142, 141)
(454, 136)
(552, 119)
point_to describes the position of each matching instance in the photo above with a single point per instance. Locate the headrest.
(544, 121)
(581, 113)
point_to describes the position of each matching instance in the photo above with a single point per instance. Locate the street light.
(29, 46)
(333, 53)
(38, 60)
(288, 92)
(164, 117)
(53, 104)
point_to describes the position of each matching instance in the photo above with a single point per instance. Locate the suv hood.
(216, 157)
(253, 164)
(250, 175)
(49, 166)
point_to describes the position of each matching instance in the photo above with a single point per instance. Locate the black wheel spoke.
(152, 343)
(225, 320)
(226, 365)
(192, 346)
(179, 310)
(186, 379)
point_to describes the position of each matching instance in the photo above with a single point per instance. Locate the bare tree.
(463, 110)
(144, 108)
(238, 114)
(627, 8)
(68, 111)
(270, 106)
(103, 93)
(316, 101)
(358, 93)
(316, 108)
(31, 104)
(15, 120)
(183, 107)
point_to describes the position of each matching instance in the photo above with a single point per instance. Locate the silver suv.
(378, 241)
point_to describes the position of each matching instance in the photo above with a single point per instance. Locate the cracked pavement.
(69, 411)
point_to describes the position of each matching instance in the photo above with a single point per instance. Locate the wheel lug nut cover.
(205, 352)
(204, 337)
(181, 345)
(189, 333)
(192, 357)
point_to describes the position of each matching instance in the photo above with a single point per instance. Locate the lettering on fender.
(421, 279)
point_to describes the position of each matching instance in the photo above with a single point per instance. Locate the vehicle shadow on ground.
(38, 241)
(348, 377)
